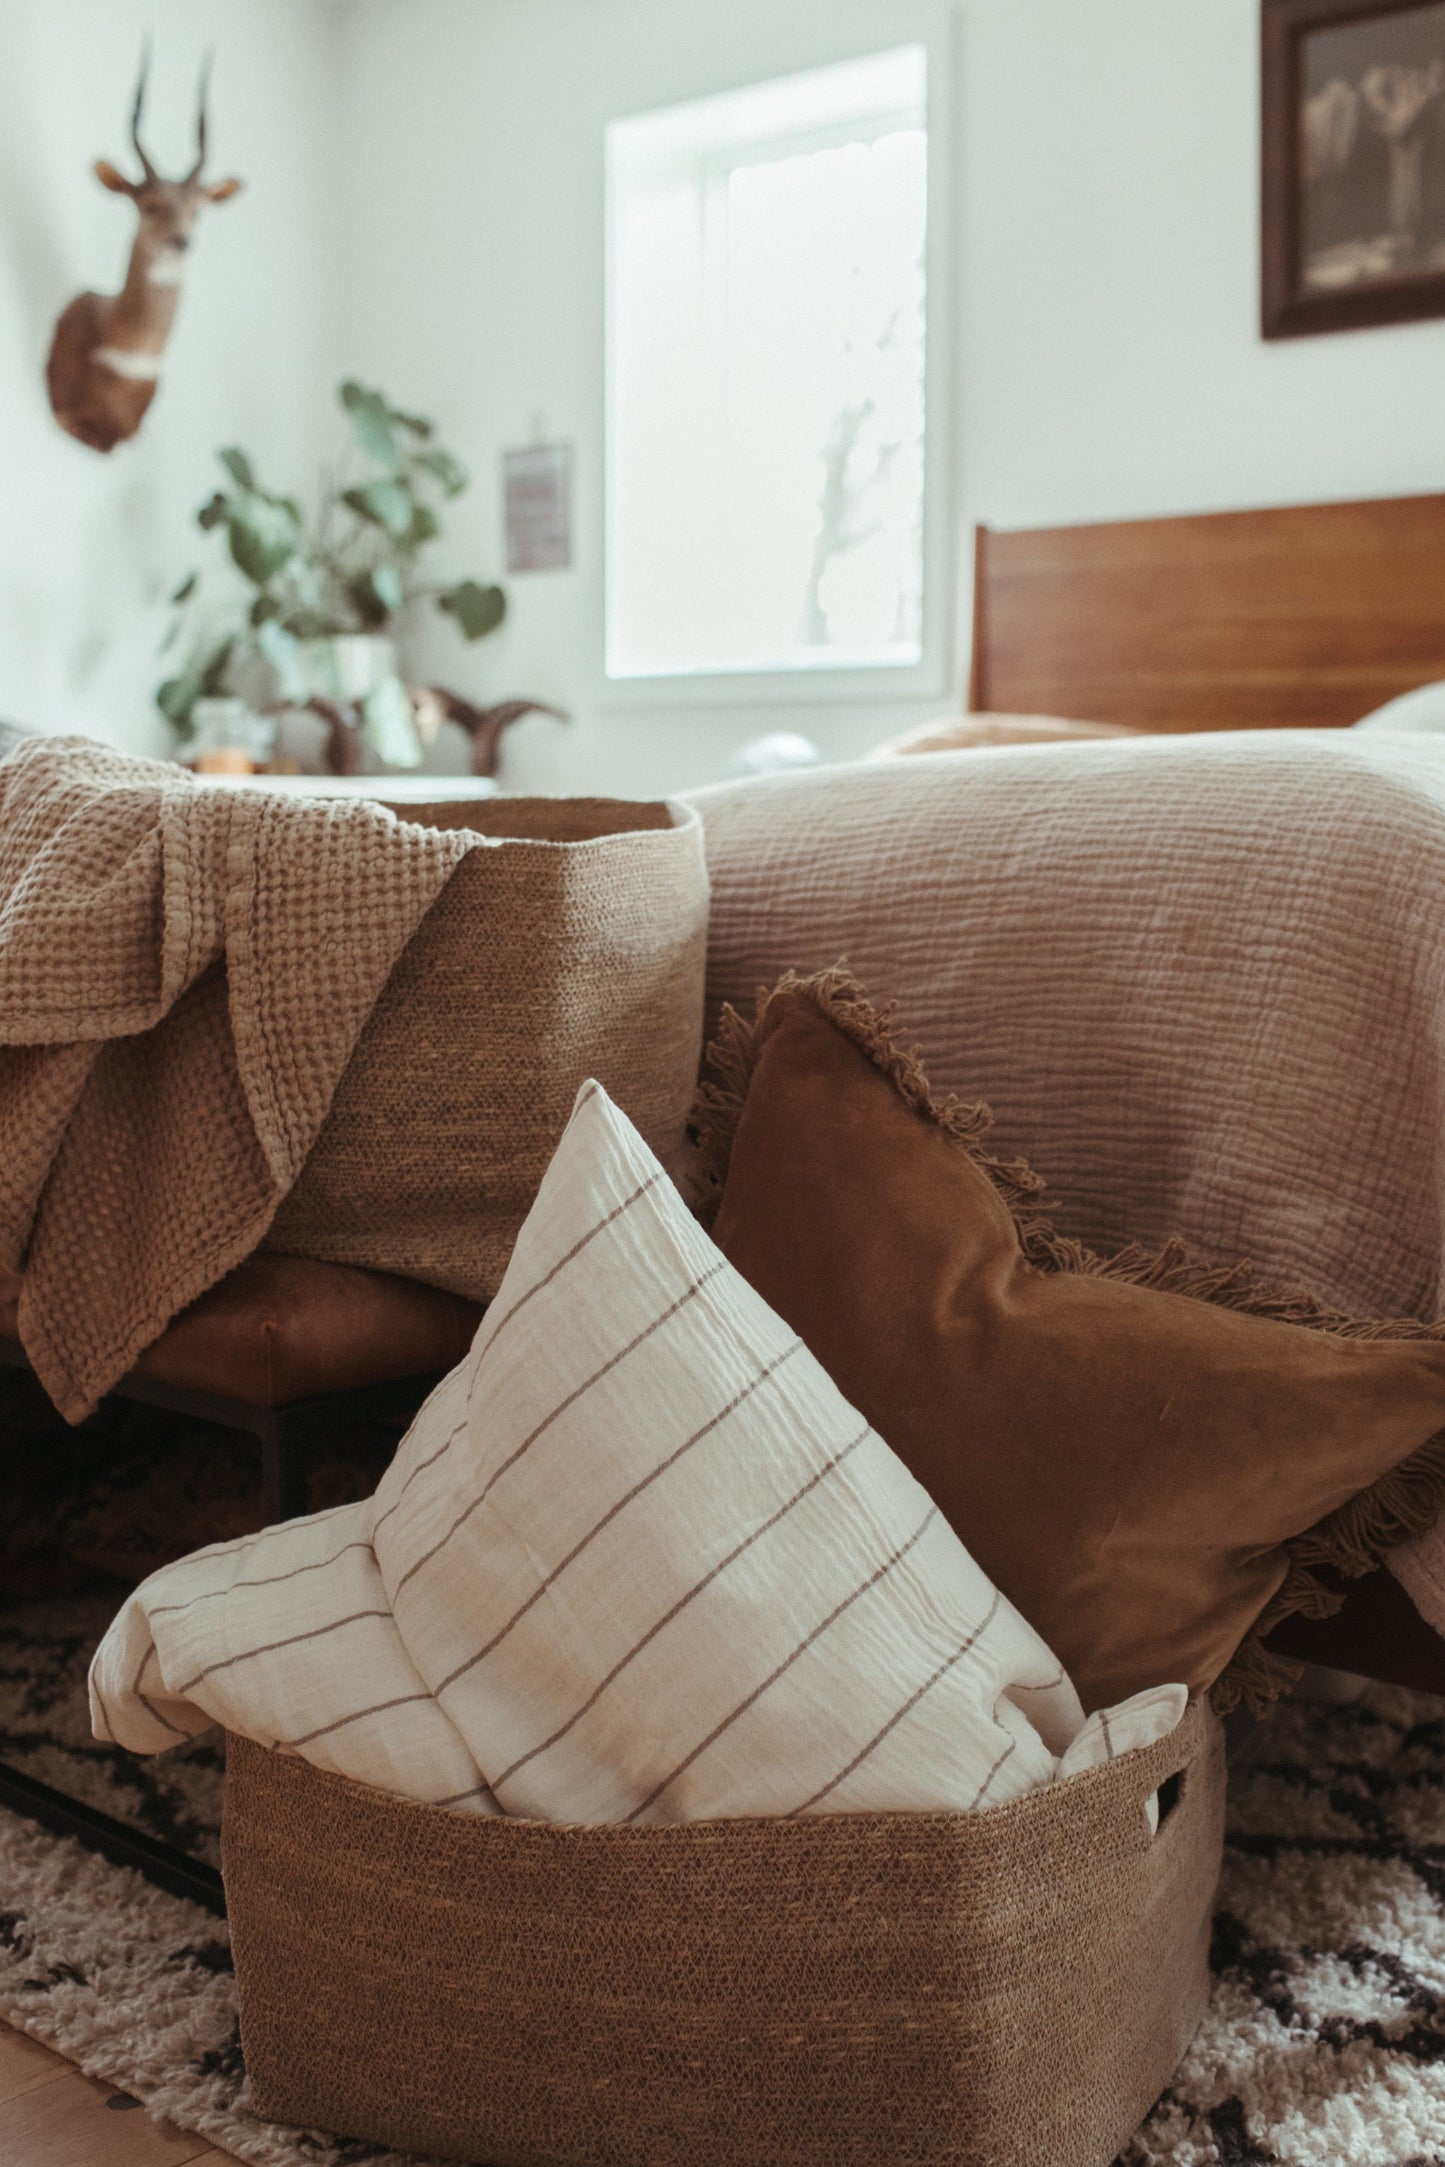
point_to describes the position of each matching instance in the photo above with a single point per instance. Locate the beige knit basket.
(1011, 1988)
(574, 945)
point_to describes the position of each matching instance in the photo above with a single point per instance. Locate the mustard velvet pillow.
(1151, 1458)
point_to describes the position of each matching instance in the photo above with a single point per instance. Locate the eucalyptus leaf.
(371, 425)
(449, 471)
(284, 655)
(478, 610)
(388, 721)
(387, 504)
(203, 677)
(213, 511)
(367, 604)
(176, 697)
(416, 423)
(386, 581)
(263, 535)
(423, 526)
(313, 624)
(213, 675)
(238, 466)
(186, 588)
(376, 595)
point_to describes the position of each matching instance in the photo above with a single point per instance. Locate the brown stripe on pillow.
(358, 1715)
(266, 1580)
(854, 1595)
(269, 1647)
(644, 1483)
(731, 1558)
(949, 1663)
(552, 1415)
(538, 1286)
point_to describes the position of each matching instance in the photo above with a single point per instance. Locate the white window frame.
(858, 684)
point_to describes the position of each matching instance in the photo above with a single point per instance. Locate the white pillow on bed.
(636, 1560)
(1421, 710)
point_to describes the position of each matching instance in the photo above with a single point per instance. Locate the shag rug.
(45, 1651)
(1324, 2043)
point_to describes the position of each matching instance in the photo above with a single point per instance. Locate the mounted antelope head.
(105, 357)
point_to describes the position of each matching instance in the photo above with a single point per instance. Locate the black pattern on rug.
(1324, 2042)
(45, 1652)
(136, 1987)
(1323, 2045)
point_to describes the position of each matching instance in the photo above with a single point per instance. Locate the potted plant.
(326, 596)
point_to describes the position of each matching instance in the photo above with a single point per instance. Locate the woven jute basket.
(574, 946)
(1011, 1988)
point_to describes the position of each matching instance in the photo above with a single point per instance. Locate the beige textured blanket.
(183, 973)
(1201, 981)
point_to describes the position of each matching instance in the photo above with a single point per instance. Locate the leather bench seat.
(282, 1329)
(278, 1330)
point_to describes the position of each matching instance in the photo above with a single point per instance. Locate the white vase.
(349, 665)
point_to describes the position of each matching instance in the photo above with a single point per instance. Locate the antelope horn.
(195, 172)
(140, 93)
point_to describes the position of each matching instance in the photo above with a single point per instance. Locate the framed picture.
(1353, 112)
(537, 493)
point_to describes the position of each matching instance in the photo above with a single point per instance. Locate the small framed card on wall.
(1353, 172)
(537, 491)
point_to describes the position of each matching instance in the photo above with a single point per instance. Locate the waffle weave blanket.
(184, 970)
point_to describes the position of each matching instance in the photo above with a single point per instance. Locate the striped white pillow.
(636, 1560)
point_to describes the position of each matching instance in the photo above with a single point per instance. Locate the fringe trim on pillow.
(1354, 1540)
(836, 994)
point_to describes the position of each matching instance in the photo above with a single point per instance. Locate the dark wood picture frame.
(1289, 308)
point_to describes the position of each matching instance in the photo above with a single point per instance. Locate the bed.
(1199, 973)
(1301, 616)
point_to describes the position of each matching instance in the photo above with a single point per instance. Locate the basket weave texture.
(1011, 1988)
(574, 948)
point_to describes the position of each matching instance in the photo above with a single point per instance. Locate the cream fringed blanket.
(1200, 980)
(183, 974)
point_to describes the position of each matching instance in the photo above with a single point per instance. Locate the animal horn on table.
(484, 725)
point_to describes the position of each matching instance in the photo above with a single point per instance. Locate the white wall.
(423, 205)
(90, 544)
(1107, 359)
(477, 291)
(1111, 362)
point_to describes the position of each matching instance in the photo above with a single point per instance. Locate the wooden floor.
(52, 2116)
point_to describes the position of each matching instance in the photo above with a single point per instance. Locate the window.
(765, 405)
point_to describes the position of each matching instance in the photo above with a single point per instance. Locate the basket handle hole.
(1169, 1793)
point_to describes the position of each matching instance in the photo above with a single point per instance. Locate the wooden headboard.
(1309, 615)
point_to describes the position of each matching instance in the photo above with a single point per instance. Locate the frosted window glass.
(766, 333)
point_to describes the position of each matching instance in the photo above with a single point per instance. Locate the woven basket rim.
(1142, 1768)
(684, 818)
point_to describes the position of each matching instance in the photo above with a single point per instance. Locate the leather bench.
(286, 1348)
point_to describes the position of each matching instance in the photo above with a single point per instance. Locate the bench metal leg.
(285, 1434)
(285, 1454)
